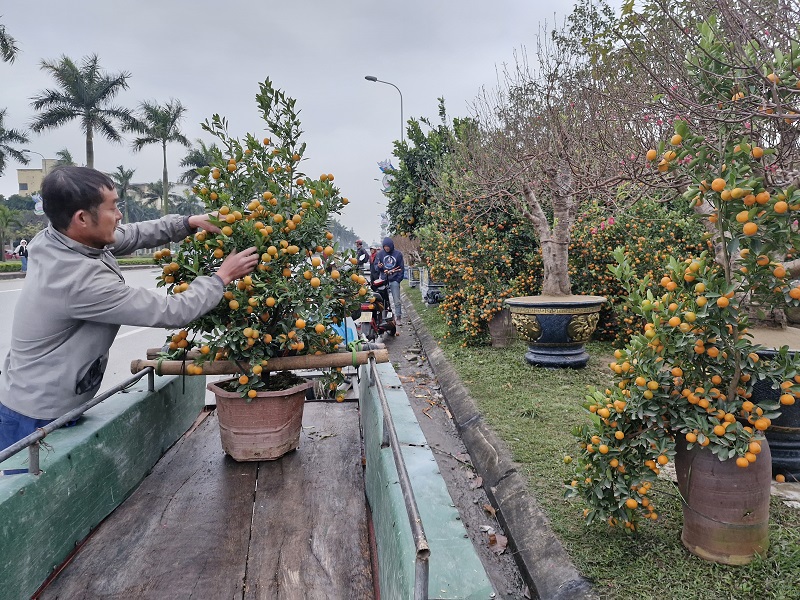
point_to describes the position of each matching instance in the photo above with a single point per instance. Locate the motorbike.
(376, 314)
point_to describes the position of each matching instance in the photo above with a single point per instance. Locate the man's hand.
(204, 222)
(238, 264)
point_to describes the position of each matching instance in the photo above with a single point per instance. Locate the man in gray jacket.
(75, 299)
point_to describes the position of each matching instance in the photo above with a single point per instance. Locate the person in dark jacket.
(361, 256)
(373, 264)
(22, 252)
(391, 265)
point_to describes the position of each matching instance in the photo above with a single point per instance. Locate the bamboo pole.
(285, 363)
(152, 353)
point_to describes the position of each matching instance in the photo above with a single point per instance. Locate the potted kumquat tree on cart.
(290, 312)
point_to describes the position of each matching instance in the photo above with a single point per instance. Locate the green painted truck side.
(88, 470)
(455, 569)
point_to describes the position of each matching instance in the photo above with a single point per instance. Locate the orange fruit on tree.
(652, 154)
(781, 207)
(631, 503)
(750, 228)
(780, 478)
(718, 184)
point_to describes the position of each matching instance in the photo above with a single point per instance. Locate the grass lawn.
(533, 410)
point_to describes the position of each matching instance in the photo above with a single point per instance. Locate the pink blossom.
(602, 225)
(660, 121)
(611, 220)
(593, 230)
(747, 125)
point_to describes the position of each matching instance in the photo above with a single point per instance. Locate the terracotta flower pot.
(725, 507)
(264, 428)
(501, 329)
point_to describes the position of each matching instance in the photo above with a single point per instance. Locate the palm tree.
(122, 177)
(85, 93)
(188, 204)
(8, 137)
(8, 45)
(159, 125)
(8, 219)
(139, 212)
(197, 158)
(154, 192)
(64, 157)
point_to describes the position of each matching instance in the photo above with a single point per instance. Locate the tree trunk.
(165, 183)
(556, 270)
(90, 148)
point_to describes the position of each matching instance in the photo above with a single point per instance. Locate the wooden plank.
(183, 533)
(310, 537)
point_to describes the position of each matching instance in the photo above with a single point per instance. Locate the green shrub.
(10, 266)
(649, 231)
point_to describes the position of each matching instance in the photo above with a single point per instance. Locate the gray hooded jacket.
(72, 304)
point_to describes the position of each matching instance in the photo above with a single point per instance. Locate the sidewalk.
(541, 559)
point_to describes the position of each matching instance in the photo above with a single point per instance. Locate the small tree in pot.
(685, 383)
(296, 301)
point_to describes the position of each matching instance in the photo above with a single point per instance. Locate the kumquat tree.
(648, 231)
(304, 285)
(687, 377)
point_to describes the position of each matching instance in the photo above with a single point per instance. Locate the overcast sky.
(212, 55)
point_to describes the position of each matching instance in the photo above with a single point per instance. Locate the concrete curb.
(544, 564)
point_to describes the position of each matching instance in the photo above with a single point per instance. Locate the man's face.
(103, 220)
(387, 249)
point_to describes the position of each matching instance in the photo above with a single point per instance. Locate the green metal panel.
(455, 569)
(88, 470)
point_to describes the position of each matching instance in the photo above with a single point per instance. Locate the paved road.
(130, 343)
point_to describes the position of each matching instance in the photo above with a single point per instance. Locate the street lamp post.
(402, 122)
(44, 160)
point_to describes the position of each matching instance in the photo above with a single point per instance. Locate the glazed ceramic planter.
(556, 327)
(784, 431)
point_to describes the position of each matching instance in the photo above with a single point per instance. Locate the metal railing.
(31, 442)
(423, 552)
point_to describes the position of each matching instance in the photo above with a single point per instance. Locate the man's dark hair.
(66, 190)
